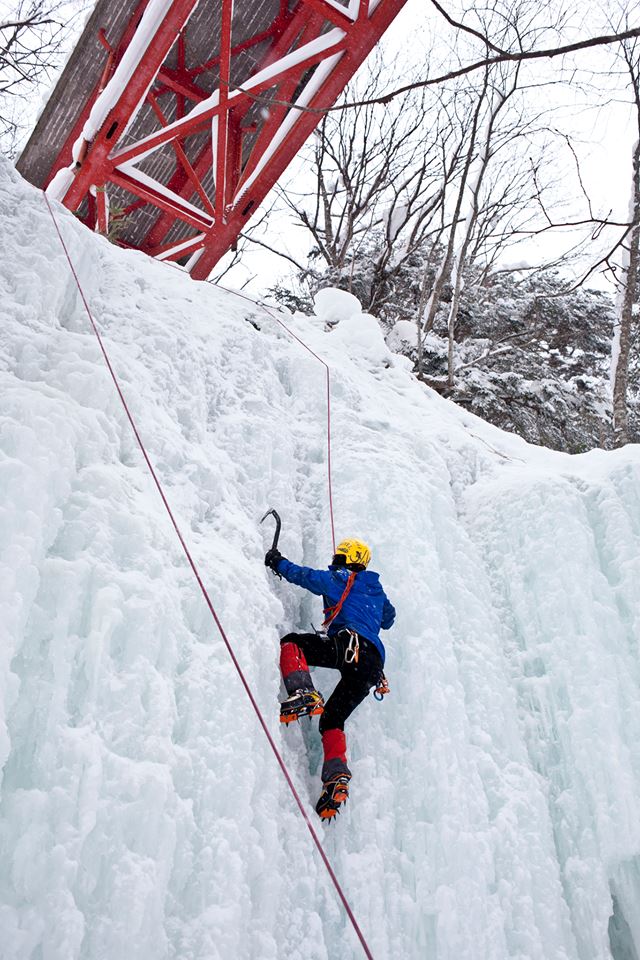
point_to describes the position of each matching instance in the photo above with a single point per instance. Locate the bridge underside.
(174, 118)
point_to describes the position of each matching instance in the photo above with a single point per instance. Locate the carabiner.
(352, 652)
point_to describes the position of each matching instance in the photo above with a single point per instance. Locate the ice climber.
(355, 607)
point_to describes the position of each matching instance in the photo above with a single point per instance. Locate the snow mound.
(495, 808)
(362, 337)
(332, 305)
(403, 332)
(358, 332)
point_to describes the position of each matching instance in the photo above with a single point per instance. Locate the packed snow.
(495, 804)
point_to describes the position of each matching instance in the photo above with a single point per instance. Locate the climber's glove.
(272, 559)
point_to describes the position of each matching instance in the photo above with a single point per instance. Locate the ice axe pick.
(276, 535)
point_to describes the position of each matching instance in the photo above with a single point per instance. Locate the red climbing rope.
(328, 376)
(332, 612)
(274, 315)
(207, 598)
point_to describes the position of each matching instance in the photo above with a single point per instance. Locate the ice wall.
(495, 807)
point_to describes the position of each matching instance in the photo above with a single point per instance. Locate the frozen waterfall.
(495, 804)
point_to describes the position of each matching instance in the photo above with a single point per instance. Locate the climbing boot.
(335, 792)
(301, 703)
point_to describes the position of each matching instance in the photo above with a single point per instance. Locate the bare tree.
(401, 197)
(482, 203)
(360, 210)
(425, 322)
(545, 52)
(379, 177)
(32, 38)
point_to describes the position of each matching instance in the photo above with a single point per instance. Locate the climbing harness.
(332, 612)
(203, 589)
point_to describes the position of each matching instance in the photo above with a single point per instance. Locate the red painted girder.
(273, 30)
(278, 111)
(223, 116)
(102, 211)
(150, 64)
(131, 207)
(181, 58)
(183, 160)
(158, 199)
(330, 13)
(178, 184)
(178, 250)
(234, 155)
(222, 236)
(274, 54)
(190, 124)
(98, 167)
(228, 167)
(283, 31)
(179, 81)
(220, 239)
(62, 160)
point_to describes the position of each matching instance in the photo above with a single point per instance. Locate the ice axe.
(276, 535)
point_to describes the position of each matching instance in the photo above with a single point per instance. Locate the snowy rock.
(402, 333)
(402, 362)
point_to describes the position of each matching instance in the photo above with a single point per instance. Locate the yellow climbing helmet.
(354, 551)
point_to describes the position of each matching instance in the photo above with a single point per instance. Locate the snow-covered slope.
(495, 807)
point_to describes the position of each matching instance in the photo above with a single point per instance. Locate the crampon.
(334, 793)
(302, 703)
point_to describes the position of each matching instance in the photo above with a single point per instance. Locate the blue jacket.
(366, 609)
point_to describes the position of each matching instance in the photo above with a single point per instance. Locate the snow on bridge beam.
(175, 115)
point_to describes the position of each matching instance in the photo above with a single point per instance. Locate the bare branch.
(465, 28)
(280, 253)
(514, 57)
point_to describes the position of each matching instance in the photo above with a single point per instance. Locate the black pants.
(356, 679)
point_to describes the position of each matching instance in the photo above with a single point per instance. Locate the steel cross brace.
(241, 135)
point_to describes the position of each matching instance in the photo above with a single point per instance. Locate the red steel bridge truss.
(174, 118)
